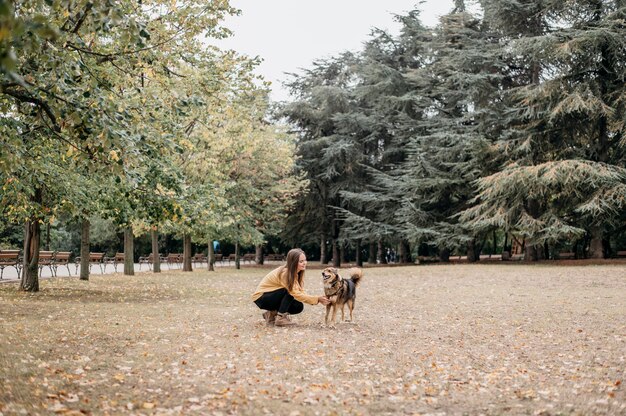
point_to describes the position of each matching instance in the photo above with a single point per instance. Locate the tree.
(324, 158)
(70, 72)
(569, 62)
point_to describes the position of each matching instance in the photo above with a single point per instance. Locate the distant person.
(216, 246)
(281, 291)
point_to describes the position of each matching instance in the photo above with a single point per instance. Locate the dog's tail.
(356, 275)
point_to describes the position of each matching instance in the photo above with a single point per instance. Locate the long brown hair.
(291, 268)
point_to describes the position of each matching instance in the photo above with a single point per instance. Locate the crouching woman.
(281, 291)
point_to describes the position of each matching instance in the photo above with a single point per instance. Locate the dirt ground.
(432, 340)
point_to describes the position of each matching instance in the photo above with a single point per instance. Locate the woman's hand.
(323, 300)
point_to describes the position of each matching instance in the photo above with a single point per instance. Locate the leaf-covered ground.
(458, 339)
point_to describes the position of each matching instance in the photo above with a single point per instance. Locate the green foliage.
(511, 120)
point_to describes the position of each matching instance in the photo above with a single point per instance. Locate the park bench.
(149, 260)
(114, 260)
(220, 258)
(10, 258)
(451, 258)
(564, 255)
(94, 258)
(231, 257)
(175, 259)
(490, 257)
(199, 258)
(621, 253)
(274, 257)
(46, 259)
(249, 257)
(62, 258)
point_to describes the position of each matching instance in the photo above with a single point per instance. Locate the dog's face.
(329, 275)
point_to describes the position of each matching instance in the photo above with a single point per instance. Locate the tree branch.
(82, 18)
(27, 98)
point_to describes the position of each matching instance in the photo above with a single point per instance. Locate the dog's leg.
(327, 313)
(351, 308)
(332, 319)
(342, 315)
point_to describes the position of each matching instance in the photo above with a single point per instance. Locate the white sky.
(290, 34)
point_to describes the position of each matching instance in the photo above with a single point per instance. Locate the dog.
(340, 291)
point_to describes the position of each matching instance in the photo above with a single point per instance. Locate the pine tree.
(566, 125)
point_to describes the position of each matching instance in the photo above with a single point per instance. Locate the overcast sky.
(290, 34)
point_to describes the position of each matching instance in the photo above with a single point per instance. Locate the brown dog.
(340, 291)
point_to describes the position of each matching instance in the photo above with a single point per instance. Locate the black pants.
(279, 300)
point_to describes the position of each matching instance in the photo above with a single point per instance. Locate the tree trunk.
(504, 246)
(336, 254)
(380, 254)
(258, 254)
(359, 256)
(156, 258)
(595, 245)
(211, 261)
(129, 249)
(30, 271)
(323, 259)
(237, 260)
(444, 255)
(405, 252)
(32, 240)
(473, 254)
(532, 252)
(342, 254)
(187, 253)
(371, 258)
(84, 249)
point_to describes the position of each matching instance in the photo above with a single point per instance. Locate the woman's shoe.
(270, 317)
(282, 319)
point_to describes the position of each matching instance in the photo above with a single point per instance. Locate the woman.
(281, 292)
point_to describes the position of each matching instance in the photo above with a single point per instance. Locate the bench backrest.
(8, 257)
(9, 254)
(62, 256)
(119, 257)
(96, 257)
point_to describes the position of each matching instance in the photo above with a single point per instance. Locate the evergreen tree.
(564, 179)
(325, 160)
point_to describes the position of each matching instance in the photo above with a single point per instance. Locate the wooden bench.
(114, 260)
(490, 257)
(274, 257)
(175, 259)
(231, 257)
(220, 258)
(46, 259)
(62, 258)
(10, 258)
(94, 258)
(248, 257)
(199, 258)
(149, 260)
(621, 253)
(564, 255)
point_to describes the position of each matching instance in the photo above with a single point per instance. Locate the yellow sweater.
(275, 280)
